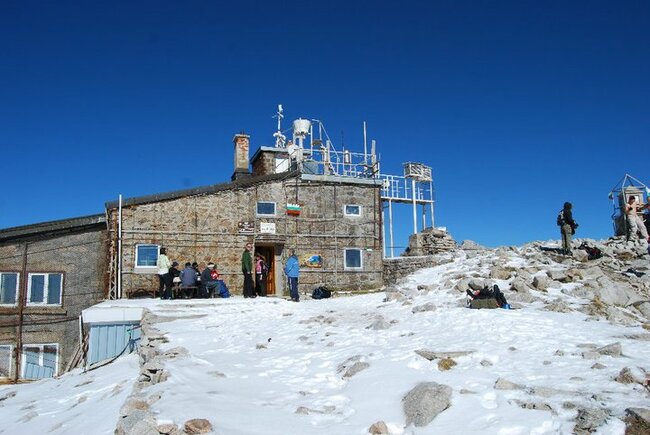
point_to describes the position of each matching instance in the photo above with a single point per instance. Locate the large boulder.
(637, 421)
(197, 426)
(424, 402)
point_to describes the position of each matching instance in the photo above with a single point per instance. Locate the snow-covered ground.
(270, 366)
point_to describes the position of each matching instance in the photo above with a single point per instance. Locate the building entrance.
(269, 252)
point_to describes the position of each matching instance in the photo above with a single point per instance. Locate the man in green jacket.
(247, 270)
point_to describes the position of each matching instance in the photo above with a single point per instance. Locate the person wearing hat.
(208, 282)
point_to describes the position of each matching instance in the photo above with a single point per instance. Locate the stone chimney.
(242, 145)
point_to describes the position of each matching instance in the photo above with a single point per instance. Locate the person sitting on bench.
(209, 283)
(188, 281)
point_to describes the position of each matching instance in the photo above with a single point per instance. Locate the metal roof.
(52, 227)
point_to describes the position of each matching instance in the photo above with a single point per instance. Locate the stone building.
(49, 272)
(333, 223)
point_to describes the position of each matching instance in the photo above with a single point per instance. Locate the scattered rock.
(197, 426)
(503, 384)
(477, 283)
(379, 428)
(355, 368)
(486, 363)
(446, 364)
(379, 324)
(431, 355)
(499, 273)
(540, 406)
(168, 429)
(424, 402)
(637, 421)
(138, 422)
(631, 376)
(589, 419)
(541, 282)
(598, 366)
(429, 306)
(613, 350)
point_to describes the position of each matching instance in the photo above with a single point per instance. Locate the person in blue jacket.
(292, 270)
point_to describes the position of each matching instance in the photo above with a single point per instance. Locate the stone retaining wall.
(396, 268)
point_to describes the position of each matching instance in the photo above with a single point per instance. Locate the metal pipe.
(415, 212)
(22, 300)
(119, 248)
(390, 227)
(433, 222)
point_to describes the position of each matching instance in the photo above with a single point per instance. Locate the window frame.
(41, 358)
(153, 268)
(11, 360)
(352, 215)
(275, 209)
(345, 259)
(46, 285)
(17, 288)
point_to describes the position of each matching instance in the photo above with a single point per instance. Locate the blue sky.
(517, 106)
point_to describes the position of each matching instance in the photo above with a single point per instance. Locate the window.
(353, 259)
(8, 288)
(44, 289)
(146, 255)
(5, 360)
(353, 210)
(265, 208)
(281, 164)
(40, 361)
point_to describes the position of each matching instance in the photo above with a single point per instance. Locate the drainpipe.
(22, 300)
(119, 249)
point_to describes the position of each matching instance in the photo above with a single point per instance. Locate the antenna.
(280, 139)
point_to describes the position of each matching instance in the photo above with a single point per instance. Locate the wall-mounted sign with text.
(246, 227)
(267, 228)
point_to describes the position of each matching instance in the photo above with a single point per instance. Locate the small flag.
(293, 209)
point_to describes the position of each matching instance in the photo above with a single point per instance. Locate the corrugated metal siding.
(108, 340)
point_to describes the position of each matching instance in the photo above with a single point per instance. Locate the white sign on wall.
(267, 228)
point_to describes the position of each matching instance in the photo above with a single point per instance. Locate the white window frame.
(41, 357)
(275, 208)
(352, 215)
(17, 287)
(345, 258)
(146, 269)
(46, 285)
(281, 164)
(11, 360)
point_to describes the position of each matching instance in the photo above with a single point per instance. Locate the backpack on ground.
(560, 218)
(321, 293)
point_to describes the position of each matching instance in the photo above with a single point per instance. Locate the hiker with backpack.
(488, 297)
(567, 226)
(261, 271)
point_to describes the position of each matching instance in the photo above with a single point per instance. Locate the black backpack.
(321, 293)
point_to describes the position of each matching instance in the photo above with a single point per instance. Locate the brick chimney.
(242, 145)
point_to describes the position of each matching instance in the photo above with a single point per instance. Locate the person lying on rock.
(487, 293)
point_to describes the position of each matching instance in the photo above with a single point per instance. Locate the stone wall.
(81, 257)
(205, 228)
(399, 267)
(430, 241)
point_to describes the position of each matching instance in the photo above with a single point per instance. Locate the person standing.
(567, 227)
(163, 264)
(260, 275)
(635, 224)
(292, 270)
(247, 270)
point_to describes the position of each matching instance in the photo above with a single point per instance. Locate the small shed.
(111, 331)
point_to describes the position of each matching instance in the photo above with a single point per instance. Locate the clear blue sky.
(518, 106)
